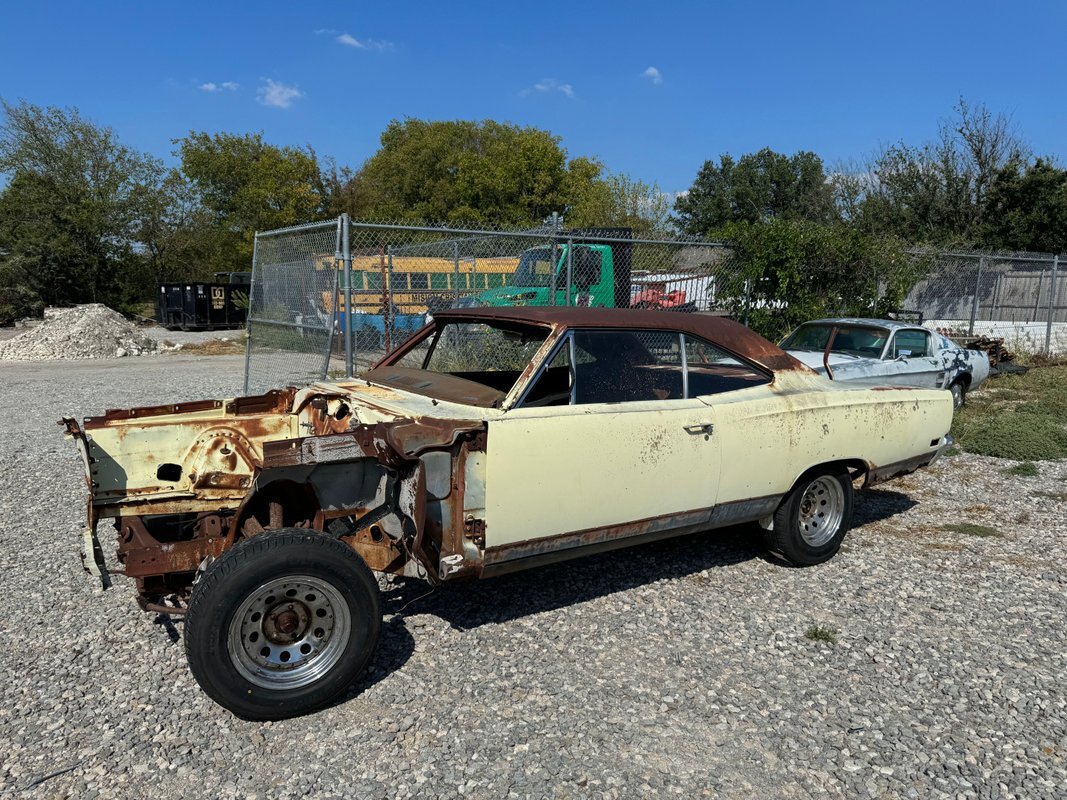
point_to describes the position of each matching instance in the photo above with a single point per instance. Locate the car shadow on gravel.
(875, 505)
(507, 597)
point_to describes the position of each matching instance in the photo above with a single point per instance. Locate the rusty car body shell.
(440, 489)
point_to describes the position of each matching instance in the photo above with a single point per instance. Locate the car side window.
(912, 344)
(711, 370)
(627, 366)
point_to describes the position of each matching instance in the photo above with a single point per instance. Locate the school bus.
(416, 279)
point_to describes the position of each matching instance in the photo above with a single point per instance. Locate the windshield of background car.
(852, 340)
(468, 362)
(535, 268)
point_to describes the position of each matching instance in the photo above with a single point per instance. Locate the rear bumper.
(946, 442)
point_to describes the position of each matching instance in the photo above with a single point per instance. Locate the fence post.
(346, 255)
(552, 260)
(570, 274)
(248, 313)
(1051, 305)
(455, 265)
(977, 295)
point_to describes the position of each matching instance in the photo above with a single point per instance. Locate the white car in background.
(888, 352)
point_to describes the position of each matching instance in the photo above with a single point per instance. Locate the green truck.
(600, 274)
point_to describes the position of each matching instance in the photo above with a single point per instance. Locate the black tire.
(326, 634)
(959, 394)
(812, 521)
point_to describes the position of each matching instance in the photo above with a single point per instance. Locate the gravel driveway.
(680, 668)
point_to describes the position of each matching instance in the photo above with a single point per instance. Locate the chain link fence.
(291, 318)
(1019, 297)
(330, 299)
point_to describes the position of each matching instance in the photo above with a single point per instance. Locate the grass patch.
(971, 529)
(1059, 496)
(1026, 469)
(822, 633)
(1020, 417)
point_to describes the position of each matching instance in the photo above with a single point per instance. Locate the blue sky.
(653, 90)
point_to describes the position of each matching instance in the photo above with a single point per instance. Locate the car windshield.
(466, 362)
(852, 340)
(535, 268)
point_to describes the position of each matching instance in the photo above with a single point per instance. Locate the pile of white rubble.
(88, 331)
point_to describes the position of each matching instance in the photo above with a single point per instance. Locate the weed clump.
(971, 529)
(1025, 469)
(822, 633)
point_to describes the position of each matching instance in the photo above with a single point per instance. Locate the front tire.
(812, 521)
(281, 624)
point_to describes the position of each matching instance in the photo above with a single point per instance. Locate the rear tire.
(959, 395)
(812, 521)
(281, 624)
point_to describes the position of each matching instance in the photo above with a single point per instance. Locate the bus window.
(419, 280)
(439, 280)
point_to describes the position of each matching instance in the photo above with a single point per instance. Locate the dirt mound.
(88, 331)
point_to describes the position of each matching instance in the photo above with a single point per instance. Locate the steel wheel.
(821, 508)
(815, 515)
(282, 623)
(289, 632)
(959, 395)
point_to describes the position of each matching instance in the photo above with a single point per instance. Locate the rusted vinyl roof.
(731, 336)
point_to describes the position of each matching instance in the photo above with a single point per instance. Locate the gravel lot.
(675, 669)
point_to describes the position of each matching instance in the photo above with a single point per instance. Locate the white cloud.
(349, 40)
(653, 75)
(550, 85)
(277, 95)
(225, 86)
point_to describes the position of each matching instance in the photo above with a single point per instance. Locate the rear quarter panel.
(771, 435)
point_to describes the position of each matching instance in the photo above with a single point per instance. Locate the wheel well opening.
(281, 504)
(857, 468)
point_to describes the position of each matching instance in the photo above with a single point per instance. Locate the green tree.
(758, 187)
(69, 211)
(619, 201)
(1027, 210)
(791, 271)
(248, 185)
(935, 193)
(471, 172)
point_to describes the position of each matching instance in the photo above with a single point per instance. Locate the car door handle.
(707, 428)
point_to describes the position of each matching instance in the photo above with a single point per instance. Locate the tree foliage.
(758, 187)
(71, 206)
(1027, 209)
(791, 271)
(247, 185)
(463, 171)
(934, 193)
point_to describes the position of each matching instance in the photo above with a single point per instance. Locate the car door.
(610, 447)
(913, 360)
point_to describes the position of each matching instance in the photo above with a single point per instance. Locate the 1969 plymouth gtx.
(493, 440)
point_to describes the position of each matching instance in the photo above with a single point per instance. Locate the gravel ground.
(680, 668)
